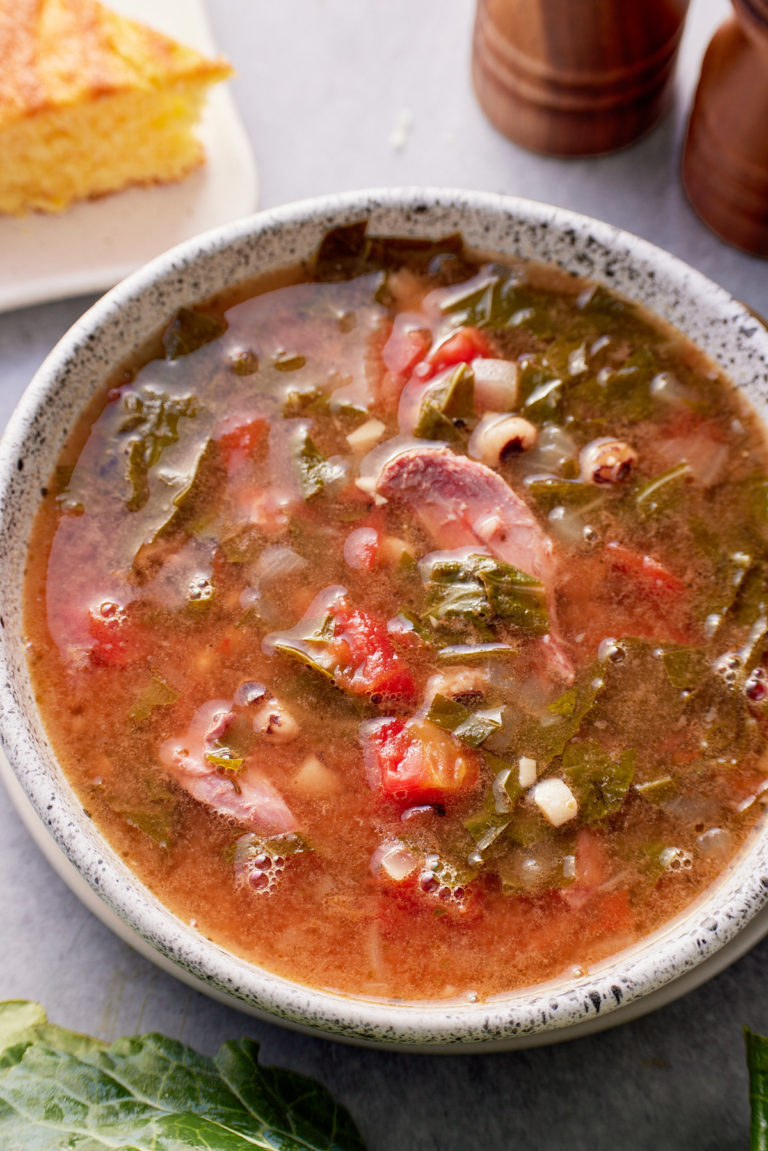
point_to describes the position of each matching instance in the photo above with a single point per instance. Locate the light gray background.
(335, 95)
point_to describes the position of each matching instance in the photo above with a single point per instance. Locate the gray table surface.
(338, 95)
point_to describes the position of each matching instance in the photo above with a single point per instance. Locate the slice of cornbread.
(91, 102)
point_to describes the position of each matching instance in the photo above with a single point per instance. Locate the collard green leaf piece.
(59, 1090)
(190, 330)
(487, 826)
(153, 811)
(157, 693)
(458, 653)
(498, 817)
(541, 393)
(312, 468)
(477, 590)
(163, 441)
(685, 666)
(552, 491)
(663, 492)
(488, 299)
(757, 1065)
(348, 251)
(471, 727)
(308, 642)
(451, 398)
(543, 738)
(599, 781)
(656, 790)
(342, 253)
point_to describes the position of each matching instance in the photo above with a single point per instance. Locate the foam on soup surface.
(403, 621)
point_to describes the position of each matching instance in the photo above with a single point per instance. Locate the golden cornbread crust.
(91, 102)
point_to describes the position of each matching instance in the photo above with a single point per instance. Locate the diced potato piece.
(314, 778)
(555, 800)
(392, 549)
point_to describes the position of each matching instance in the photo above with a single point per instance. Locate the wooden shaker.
(575, 77)
(725, 158)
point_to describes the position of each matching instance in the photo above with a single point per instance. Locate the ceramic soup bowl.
(719, 926)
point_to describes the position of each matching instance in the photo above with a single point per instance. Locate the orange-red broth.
(162, 558)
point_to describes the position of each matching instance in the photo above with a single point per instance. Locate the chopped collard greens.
(403, 618)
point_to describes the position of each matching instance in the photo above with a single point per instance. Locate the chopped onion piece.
(495, 384)
(362, 439)
(277, 563)
(527, 771)
(395, 860)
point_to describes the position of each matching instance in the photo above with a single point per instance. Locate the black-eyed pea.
(606, 461)
(497, 437)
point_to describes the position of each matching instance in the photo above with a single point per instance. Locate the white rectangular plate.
(94, 244)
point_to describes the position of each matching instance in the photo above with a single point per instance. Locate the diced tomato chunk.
(117, 642)
(238, 436)
(461, 347)
(652, 575)
(592, 860)
(622, 592)
(416, 761)
(365, 662)
(613, 912)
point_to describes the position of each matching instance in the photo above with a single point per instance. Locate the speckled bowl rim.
(122, 319)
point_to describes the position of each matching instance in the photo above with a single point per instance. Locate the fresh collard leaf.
(599, 780)
(757, 1065)
(190, 330)
(60, 1090)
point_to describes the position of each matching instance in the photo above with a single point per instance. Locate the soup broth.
(402, 620)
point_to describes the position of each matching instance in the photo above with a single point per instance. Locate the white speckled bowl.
(717, 928)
